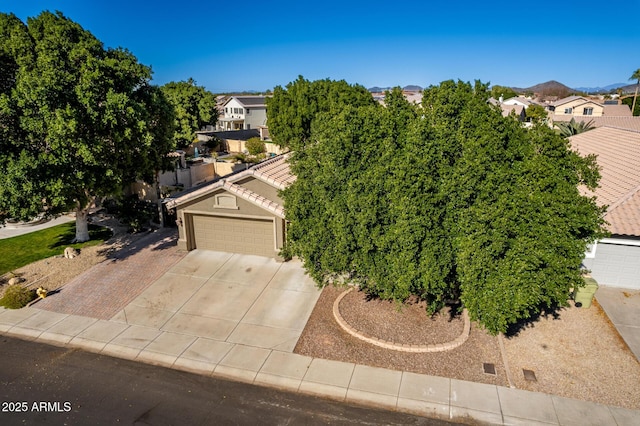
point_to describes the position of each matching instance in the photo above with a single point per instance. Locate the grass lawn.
(16, 252)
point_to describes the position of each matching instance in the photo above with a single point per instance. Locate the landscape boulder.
(71, 252)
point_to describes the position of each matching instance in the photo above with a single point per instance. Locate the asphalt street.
(42, 384)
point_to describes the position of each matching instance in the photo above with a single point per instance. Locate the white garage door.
(235, 235)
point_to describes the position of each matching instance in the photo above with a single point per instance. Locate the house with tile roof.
(615, 261)
(241, 213)
(576, 106)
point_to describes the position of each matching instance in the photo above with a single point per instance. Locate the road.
(63, 386)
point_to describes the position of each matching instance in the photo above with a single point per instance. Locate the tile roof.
(618, 155)
(566, 100)
(274, 171)
(507, 109)
(519, 100)
(617, 110)
(620, 122)
(255, 198)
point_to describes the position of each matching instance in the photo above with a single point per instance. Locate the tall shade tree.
(635, 76)
(195, 107)
(503, 92)
(445, 201)
(291, 110)
(77, 120)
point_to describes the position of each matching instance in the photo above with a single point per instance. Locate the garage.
(240, 213)
(234, 235)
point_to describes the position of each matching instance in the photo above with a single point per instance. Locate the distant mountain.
(550, 88)
(410, 88)
(605, 89)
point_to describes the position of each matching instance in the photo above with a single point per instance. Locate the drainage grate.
(529, 375)
(489, 368)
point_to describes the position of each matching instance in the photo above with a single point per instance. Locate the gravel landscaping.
(577, 355)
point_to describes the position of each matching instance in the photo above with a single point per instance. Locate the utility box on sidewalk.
(583, 296)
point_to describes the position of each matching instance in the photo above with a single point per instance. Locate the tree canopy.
(537, 114)
(502, 91)
(292, 110)
(194, 106)
(77, 120)
(447, 200)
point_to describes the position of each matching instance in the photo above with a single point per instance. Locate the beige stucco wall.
(577, 107)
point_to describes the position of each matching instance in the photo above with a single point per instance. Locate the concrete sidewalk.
(240, 316)
(13, 230)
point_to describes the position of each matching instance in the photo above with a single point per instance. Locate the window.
(568, 110)
(225, 201)
(235, 110)
(587, 111)
(226, 110)
(240, 111)
(248, 110)
(247, 126)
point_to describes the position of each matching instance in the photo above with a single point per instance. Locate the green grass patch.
(22, 250)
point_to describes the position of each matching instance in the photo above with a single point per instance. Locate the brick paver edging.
(439, 347)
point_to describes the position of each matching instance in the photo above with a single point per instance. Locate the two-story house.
(243, 113)
(577, 106)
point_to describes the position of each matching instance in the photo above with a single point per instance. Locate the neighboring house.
(520, 100)
(517, 111)
(242, 213)
(577, 106)
(243, 113)
(615, 261)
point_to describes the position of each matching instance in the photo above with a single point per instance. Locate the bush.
(16, 297)
(255, 146)
(133, 212)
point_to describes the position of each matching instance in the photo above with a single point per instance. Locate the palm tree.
(573, 128)
(635, 76)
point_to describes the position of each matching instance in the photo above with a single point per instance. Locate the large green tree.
(194, 106)
(292, 110)
(448, 201)
(77, 120)
(503, 92)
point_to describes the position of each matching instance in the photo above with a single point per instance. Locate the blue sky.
(257, 45)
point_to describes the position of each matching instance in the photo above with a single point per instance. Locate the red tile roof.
(621, 122)
(274, 171)
(618, 155)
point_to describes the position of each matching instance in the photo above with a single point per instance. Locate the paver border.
(438, 347)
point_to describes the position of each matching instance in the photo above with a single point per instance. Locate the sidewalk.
(239, 317)
(12, 230)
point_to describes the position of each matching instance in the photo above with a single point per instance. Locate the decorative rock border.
(438, 347)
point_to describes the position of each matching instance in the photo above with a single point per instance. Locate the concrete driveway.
(234, 298)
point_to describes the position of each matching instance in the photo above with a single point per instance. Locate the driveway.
(234, 298)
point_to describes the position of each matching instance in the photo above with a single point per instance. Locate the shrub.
(16, 297)
(255, 146)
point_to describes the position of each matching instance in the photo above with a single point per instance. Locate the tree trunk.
(82, 226)
(633, 108)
